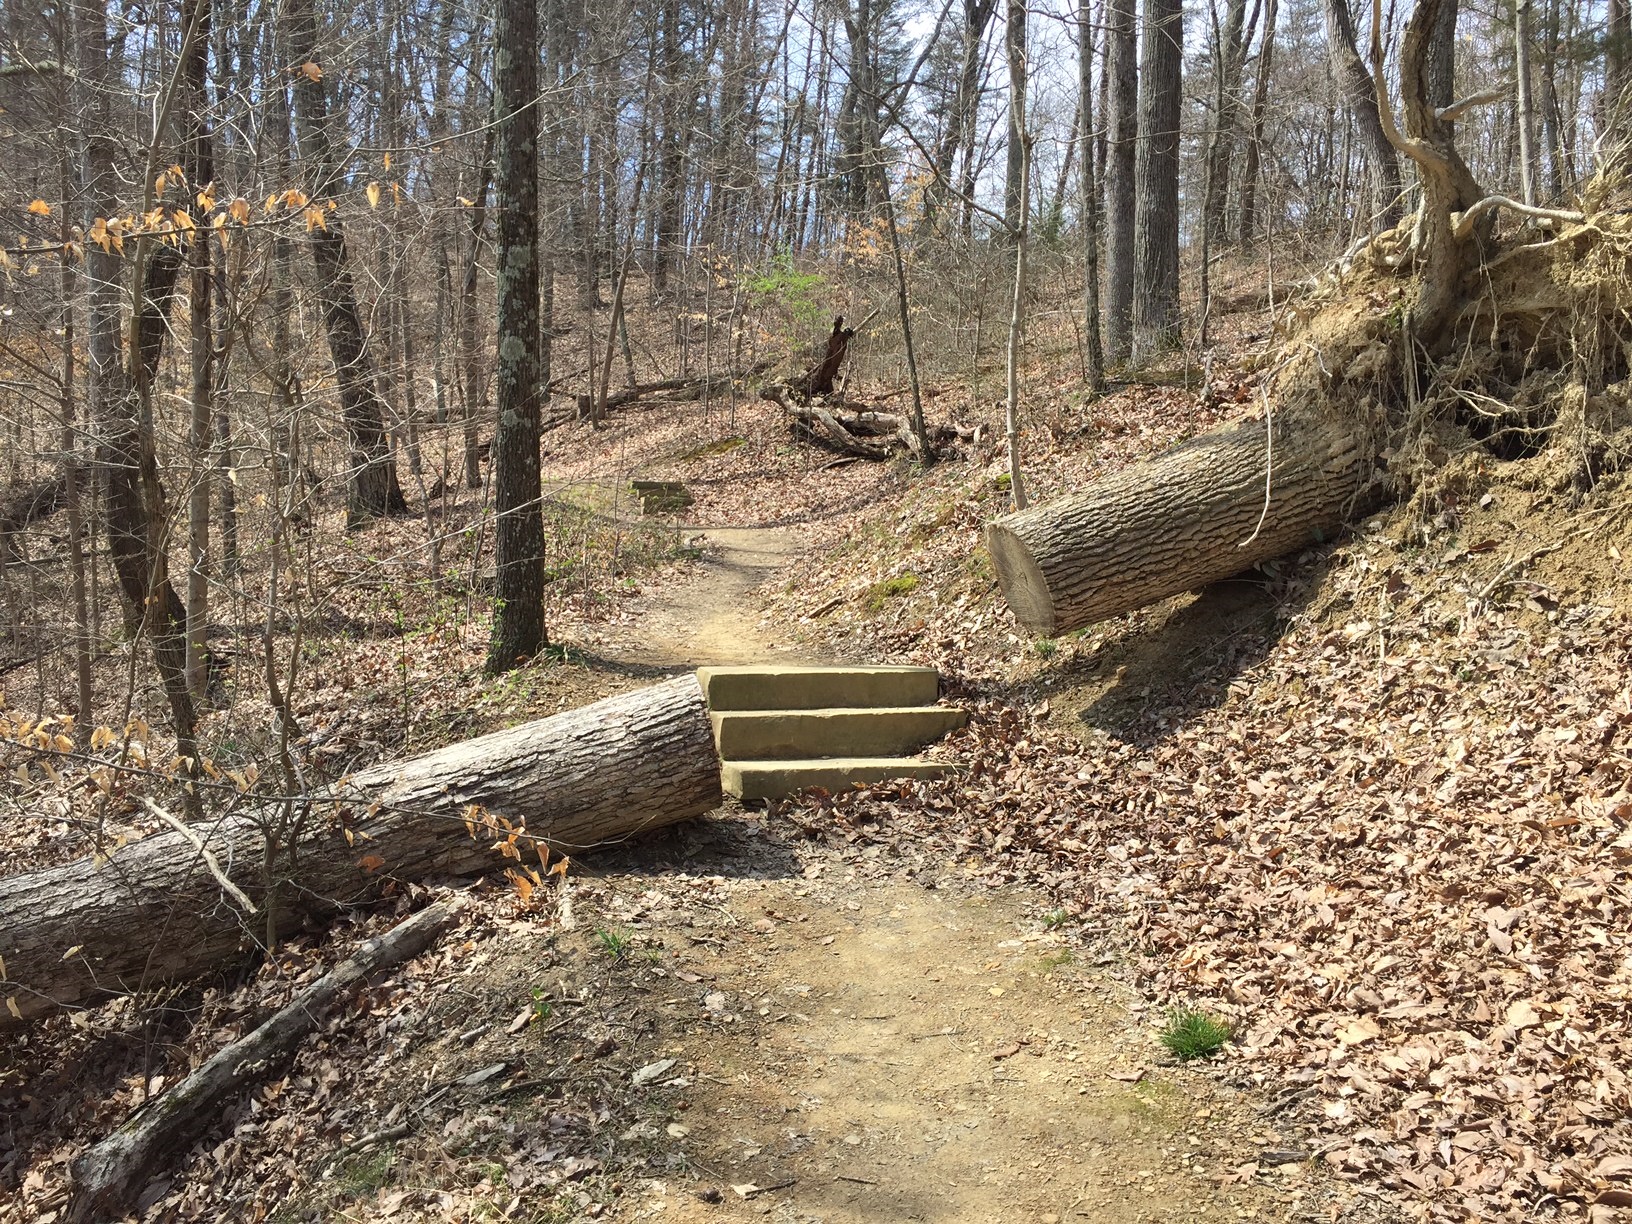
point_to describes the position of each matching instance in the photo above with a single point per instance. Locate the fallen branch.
(855, 428)
(108, 1176)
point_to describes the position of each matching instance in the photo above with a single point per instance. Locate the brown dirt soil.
(878, 1049)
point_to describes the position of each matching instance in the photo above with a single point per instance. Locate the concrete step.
(754, 780)
(816, 688)
(792, 735)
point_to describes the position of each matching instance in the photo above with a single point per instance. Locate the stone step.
(791, 735)
(816, 688)
(753, 780)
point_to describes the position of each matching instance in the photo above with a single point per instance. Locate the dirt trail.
(858, 1038)
(713, 616)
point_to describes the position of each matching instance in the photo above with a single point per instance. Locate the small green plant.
(1056, 918)
(616, 944)
(1055, 960)
(882, 592)
(1004, 480)
(1045, 647)
(1191, 1033)
(541, 1005)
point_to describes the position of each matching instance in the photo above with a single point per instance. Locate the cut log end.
(1021, 580)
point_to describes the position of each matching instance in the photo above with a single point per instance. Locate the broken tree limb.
(1190, 516)
(153, 911)
(818, 380)
(853, 428)
(109, 1175)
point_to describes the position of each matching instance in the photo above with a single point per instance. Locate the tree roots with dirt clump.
(1439, 337)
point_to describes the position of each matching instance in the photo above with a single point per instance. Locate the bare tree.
(1122, 127)
(1361, 92)
(518, 612)
(1156, 217)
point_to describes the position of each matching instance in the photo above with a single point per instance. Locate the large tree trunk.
(518, 607)
(1188, 517)
(157, 911)
(374, 490)
(1122, 125)
(1361, 92)
(1156, 178)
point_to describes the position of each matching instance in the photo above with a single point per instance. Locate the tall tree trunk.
(1014, 159)
(198, 163)
(1014, 42)
(1442, 57)
(1227, 61)
(137, 517)
(977, 15)
(1255, 134)
(1525, 110)
(858, 106)
(374, 491)
(1156, 220)
(1095, 363)
(518, 612)
(1122, 128)
(1361, 93)
(1617, 70)
(470, 360)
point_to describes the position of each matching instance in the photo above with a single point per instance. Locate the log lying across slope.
(1187, 517)
(108, 1174)
(156, 911)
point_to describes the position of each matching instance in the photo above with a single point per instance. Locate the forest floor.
(1370, 803)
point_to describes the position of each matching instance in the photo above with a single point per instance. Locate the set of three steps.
(782, 729)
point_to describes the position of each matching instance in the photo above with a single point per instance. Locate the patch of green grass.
(615, 943)
(882, 592)
(1045, 647)
(364, 1174)
(1056, 959)
(1190, 1033)
(1056, 918)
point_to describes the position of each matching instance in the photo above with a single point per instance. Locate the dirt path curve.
(859, 1035)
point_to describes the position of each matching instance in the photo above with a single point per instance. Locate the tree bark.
(1122, 124)
(1094, 365)
(374, 490)
(518, 607)
(109, 1175)
(155, 911)
(1255, 130)
(1190, 516)
(1156, 175)
(1361, 92)
(1014, 157)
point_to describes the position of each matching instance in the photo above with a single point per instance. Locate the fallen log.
(161, 909)
(1193, 515)
(856, 429)
(108, 1176)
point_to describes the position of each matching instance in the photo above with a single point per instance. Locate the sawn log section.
(154, 911)
(1178, 521)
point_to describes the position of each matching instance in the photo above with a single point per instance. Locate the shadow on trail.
(721, 843)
